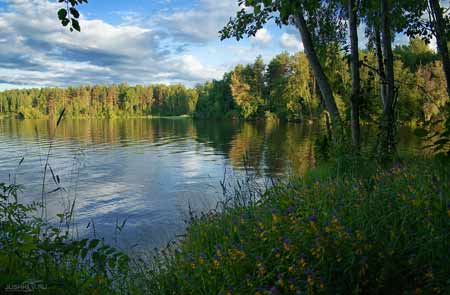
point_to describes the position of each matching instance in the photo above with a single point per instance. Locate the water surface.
(148, 171)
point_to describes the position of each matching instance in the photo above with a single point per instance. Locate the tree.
(285, 12)
(387, 137)
(277, 77)
(440, 30)
(244, 93)
(352, 10)
(415, 54)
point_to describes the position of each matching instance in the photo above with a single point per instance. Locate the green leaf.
(74, 12)
(62, 14)
(76, 25)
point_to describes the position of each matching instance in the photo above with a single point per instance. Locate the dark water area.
(150, 171)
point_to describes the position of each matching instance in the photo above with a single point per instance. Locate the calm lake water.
(148, 171)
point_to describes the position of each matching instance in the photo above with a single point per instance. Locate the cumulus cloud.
(38, 51)
(291, 42)
(263, 36)
(200, 23)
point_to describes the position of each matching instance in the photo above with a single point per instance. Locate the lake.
(149, 171)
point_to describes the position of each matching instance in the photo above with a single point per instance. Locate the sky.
(133, 41)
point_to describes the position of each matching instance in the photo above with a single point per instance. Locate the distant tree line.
(100, 101)
(285, 89)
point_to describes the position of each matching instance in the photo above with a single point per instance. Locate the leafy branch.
(69, 15)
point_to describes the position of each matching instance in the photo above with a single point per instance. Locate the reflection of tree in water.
(217, 134)
(247, 146)
(274, 147)
(98, 131)
(300, 147)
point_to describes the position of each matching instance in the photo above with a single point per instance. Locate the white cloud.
(433, 44)
(39, 51)
(193, 67)
(291, 42)
(263, 36)
(201, 23)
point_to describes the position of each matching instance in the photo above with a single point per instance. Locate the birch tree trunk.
(386, 144)
(319, 74)
(356, 83)
(440, 33)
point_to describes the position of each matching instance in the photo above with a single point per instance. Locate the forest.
(284, 89)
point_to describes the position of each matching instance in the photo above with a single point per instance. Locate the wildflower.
(280, 282)
(274, 218)
(313, 218)
(261, 269)
(274, 290)
(216, 263)
(287, 245)
(321, 283)
(277, 252)
(316, 252)
(302, 263)
(292, 285)
(289, 210)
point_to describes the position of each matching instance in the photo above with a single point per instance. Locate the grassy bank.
(358, 230)
(332, 232)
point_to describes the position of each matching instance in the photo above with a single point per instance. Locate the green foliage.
(43, 256)
(415, 54)
(69, 15)
(380, 232)
(100, 101)
(436, 135)
(246, 87)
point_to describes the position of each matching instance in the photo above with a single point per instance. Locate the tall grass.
(382, 232)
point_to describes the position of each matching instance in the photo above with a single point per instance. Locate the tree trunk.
(440, 33)
(319, 74)
(387, 146)
(356, 83)
(380, 63)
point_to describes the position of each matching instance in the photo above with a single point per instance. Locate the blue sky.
(133, 41)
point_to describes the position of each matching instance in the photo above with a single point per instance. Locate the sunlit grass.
(338, 230)
(384, 232)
